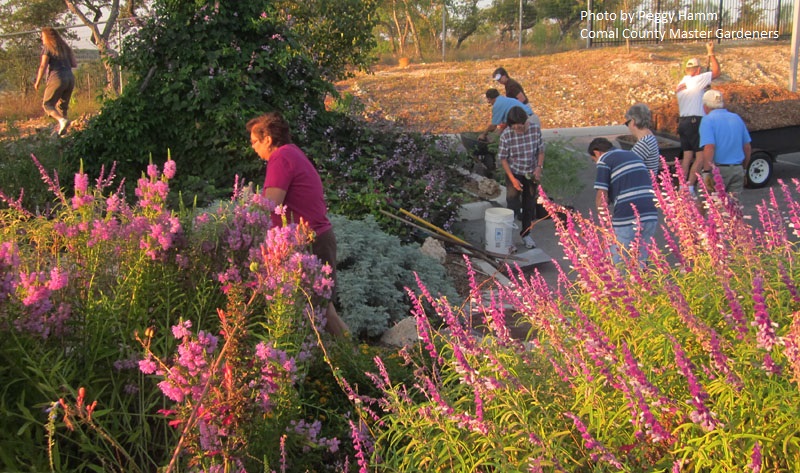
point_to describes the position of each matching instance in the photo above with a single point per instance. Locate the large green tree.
(103, 19)
(399, 23)
(198, 71)
(336, 34)
(505, 14)
(464, 18)
(566, 13)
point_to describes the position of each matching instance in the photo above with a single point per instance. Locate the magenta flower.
(148, 366)
(181, 330)
(152, 171)
(755, 458)
(34, 287)
(701, 415)
(58, 279)
(791, 348)
(362, 447)
(598, 452)
(770, 366)
(169, 169)
(81, 183)
(765, 335)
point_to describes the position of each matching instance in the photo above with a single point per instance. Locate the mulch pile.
(761, 107)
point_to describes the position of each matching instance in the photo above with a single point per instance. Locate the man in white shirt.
(690, 106)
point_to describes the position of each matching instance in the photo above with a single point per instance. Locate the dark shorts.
(324, 246)
(689, 133)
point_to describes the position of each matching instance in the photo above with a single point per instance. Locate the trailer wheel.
(760, 171)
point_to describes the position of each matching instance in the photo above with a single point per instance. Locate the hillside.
(576, 88)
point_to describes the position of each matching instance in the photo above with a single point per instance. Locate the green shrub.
(20, 175)
(561, 179)
(366, 166)
(197, 74)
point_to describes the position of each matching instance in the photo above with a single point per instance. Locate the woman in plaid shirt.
(521, 153)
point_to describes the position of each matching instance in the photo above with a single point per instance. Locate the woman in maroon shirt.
(292, 181)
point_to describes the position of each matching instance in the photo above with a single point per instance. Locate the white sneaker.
(529, 243)
(63, 123)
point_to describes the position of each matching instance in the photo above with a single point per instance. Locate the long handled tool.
(432, 226)
(481, 254)
(442, 235)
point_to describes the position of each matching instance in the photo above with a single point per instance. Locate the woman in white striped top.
(639, 120)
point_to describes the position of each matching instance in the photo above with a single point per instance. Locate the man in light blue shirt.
(500, 107)
(725, 142)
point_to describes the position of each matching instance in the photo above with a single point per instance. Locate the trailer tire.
(759, 172)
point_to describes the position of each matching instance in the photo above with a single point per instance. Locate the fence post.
(795, 47)
(444, 29)
(658, 9)
(589, 24)
(519, 39)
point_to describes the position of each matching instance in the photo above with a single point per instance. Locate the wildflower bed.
(138, 337)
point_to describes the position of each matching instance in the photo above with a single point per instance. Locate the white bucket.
(499, 230)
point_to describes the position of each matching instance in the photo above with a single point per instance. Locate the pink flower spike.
(755, 458)
(182, 330)
(169, 169)
(152, 171)
(81, 183)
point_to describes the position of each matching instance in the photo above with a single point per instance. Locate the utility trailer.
(766, 145)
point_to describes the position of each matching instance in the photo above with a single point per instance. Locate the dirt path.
(572, 89)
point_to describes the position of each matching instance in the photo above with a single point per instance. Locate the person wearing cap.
(500, 108)
(513, 88)
(726, 144)
(623, 182)
(639, 119)
(690, 108)
(521, 153)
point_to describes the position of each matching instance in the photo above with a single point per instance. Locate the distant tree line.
(414, 27)
(410, 28)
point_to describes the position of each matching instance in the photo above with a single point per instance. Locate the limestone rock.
(435, 249)
(488, 188)
(404, 333)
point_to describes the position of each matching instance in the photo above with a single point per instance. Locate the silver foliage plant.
(373, 270)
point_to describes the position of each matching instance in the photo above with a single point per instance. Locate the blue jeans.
(627, 234)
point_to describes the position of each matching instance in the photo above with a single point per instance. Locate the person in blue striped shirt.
(623, 184)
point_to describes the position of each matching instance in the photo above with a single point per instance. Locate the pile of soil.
(761, 107)
(589, 87)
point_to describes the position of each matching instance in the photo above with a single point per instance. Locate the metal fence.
(654, 21)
